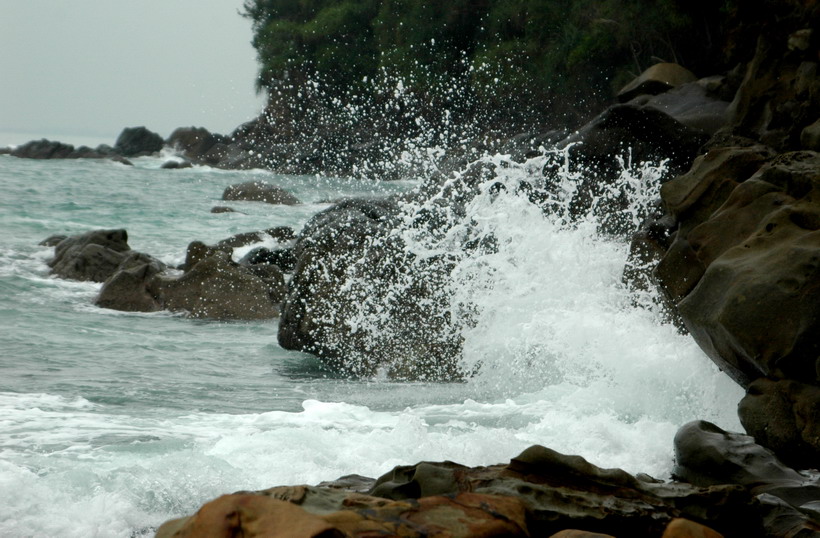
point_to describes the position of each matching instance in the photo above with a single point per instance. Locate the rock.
(466, 515)
(46, 149)
(707, 455)
(693, 106)
(576, 533)
(754, 311)
(222, 209)
(539, 493)
(175, 165)
(627, 132)
(259, 191)
(193, 142)
(198, 251)
(138, 141)
(284, 258)
(784, 416)
(810, 137)
(684, 528)
(122, 160)
(362, 303)
(127, 288)
(94, 255)
(216, 288)
(52, 240)
(656, 79)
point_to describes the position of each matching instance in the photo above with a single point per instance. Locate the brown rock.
(575, 533)
(684, 528)
(656, 79)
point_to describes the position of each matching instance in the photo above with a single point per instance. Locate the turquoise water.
(112, 422)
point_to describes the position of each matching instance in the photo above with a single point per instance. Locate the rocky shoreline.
(733, 246)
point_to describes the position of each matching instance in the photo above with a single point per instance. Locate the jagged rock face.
(754, 307)
(361, 302)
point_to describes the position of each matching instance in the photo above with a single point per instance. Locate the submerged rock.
(259, 191)
(94, 255)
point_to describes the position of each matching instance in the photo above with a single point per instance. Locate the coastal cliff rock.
(737, 250)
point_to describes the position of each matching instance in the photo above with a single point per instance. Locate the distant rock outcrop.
(138, 141)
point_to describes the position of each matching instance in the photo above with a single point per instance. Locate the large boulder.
(138, 141)
(128, 288)
(756, 308)
(259, 191)
(361, 302)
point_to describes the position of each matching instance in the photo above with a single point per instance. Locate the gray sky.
(82, 70)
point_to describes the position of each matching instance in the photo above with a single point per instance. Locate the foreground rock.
(539, 493)
(736, 246)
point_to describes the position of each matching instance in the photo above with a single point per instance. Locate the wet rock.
(810, 137)
(259, 191)
(784, 416)
(216, 288)
(627, 132)
(658, 78)
(362, 302)
(222, 209)
(127, 289)
(685, 528)
(576, 533)
(94, 255)
(193, 142)
(284, 258)
(138, 141)
(755, 309)
(47, 149)
(693, 105)
(707, 455)
(175, 165)
(539, 493)
(52, 240)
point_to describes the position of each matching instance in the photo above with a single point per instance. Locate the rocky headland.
(733, 245)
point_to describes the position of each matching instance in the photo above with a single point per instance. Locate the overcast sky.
(71, 69)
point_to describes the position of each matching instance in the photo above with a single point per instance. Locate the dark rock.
(175, 165)
(216, 288)
(693, 106)
(52, 240)
(137, 141)
(707, 455)
(122, 160)
(259, 191)
(361, 302)
(784, 416)
(198, 251)
(222, 209)
(627, 132)
(810, 137)
(762, 270)
(284, 258)
(43, 149)
(193, 142)
(127, 289)
(94, 255)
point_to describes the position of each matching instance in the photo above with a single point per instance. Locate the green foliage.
(503, 56)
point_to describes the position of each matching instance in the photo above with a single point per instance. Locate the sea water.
(113, 422)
